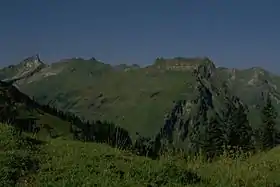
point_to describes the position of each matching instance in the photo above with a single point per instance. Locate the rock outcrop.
(25, 69)
(181, 64)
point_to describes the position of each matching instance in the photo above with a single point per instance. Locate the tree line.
(13, 103)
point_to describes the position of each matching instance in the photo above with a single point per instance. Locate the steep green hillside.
(18, 109)
(45, 122)
(137, 98)
(28, 162)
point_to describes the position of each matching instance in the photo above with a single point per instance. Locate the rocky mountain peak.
(25, 68)
(32, 61)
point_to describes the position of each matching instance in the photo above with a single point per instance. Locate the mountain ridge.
(137, 97)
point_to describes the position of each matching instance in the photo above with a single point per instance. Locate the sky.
(232, 33)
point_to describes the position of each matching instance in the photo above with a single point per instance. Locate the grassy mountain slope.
(25, 110)
(136, 98)
(57, 162)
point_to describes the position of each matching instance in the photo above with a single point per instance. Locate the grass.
(61, 163)
(19, 157)
(59, 126)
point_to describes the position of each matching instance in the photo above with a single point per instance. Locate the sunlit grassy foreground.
(73, 163)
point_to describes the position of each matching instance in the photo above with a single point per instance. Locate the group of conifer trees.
(268, 133)
(232, 131)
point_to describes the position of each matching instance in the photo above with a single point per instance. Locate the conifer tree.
(214, 139)
(238, 129)
(242, 129)
(268, 128)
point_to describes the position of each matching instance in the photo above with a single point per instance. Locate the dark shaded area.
(18, 166)
(101, 132)
(154, 94)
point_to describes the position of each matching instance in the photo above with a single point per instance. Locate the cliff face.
(186, 123)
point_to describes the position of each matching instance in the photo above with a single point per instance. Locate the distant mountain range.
(139, 99)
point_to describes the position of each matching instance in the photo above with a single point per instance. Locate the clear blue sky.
(233, 33)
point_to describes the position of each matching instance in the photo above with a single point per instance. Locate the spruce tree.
(214, 139)
(242, 128)
(238, 129)
(268, 128)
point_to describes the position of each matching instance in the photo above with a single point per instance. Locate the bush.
(17, 158)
